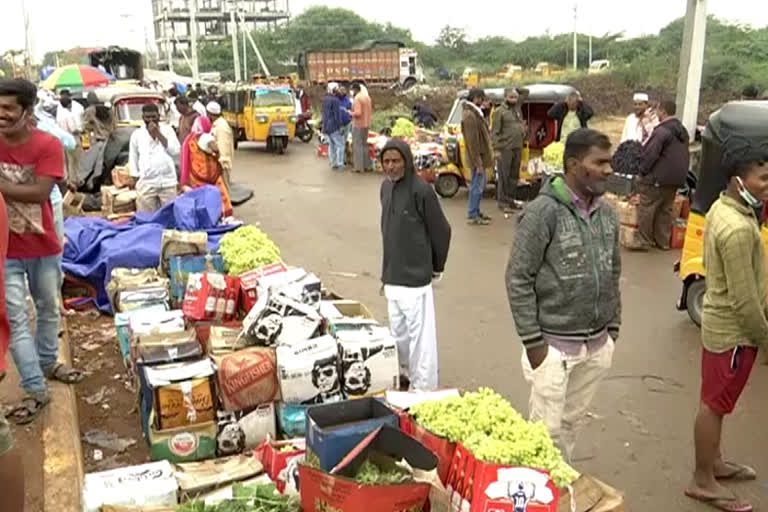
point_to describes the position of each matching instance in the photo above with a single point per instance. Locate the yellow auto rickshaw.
(739, 118)
(261, 113)
(535, 101)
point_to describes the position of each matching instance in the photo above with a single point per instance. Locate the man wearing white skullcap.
(225, 141)
(640, 124)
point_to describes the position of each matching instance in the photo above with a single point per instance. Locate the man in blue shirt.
(346, 114)
(332, 127)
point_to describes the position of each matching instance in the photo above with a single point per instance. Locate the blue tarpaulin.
(95, 246)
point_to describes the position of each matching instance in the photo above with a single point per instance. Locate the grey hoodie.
(563, 273)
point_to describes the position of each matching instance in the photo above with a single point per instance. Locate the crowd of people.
(343, 116)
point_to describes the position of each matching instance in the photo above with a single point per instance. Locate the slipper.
(65, 374)
(740, 473)
(28, 409)
(724, 503)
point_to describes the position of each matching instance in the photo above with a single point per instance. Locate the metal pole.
(193, 37)
(590, 50)
(168, 44)
(235, 52)
(255, 48)
(27, 45)
(245, 53)
(691, 63)
(575, 39)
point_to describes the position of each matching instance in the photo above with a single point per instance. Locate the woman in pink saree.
(200, 162)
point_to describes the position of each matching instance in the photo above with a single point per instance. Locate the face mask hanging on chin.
(747, 196)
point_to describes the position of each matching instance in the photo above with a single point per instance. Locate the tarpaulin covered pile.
(95, 246)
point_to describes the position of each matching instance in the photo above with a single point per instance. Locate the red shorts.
(724, 377)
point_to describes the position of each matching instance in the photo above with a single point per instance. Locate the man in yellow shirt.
(734, 320)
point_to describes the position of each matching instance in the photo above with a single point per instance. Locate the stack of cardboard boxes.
(627, 210)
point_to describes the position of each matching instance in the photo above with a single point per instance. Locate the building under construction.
(173, 22)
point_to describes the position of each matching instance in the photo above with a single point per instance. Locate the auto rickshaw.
(261, 113)
(739, 118)
(125, 104)
(535, 100)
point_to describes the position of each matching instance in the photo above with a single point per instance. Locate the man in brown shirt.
(188, 116)
(477, 139)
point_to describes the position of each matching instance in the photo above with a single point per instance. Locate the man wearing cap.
(332, 127)
(225, 140)
(640, 123)
(477, 138)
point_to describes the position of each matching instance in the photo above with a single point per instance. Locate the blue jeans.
(336, 148)
(33, 355)
(476, 190)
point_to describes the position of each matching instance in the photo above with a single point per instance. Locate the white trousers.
(412, 322)
(562, 389)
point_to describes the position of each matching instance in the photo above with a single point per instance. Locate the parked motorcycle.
(305, 127)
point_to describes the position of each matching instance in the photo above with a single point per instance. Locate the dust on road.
(639, 433)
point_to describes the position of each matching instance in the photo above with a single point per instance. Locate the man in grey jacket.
(563, 287)
(507, 136)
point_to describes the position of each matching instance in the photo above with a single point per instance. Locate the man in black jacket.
(570, 115)
(416, 237)
(663, 170)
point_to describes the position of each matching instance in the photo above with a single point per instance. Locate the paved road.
(639, 437)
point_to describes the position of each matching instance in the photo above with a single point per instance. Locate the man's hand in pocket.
(537, 355)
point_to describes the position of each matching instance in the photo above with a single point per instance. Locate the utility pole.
(168, 44)
(590, 49)
(193, 37)
(691, 63)
(245, 49)
(575, 38)
(235, 52)
(27, 44)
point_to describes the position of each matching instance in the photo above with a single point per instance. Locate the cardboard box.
(339, 491)
(199, 477)
(281, 461)
(180, 243)
(182, 393)
(345, 314)
(157, 322)
(139, 298)
(146, 484)
(628, 212)
(166, 348)
(182, 266)
(146, 282)
(249, 284)
(223, 340)
(369, 363)
(443, 449)
(241, 431)
(478, 486)
(592, 495)
(211, 296)
(247, 378)
(307, 290)
(121, 176)
(292, 419)
(263, 325)
(629, 237)
(677, 239)
(203, 330)
(117, 200)
(183, 444)
(333, 430)
(309, 371)
(72, 204)
(122, 326)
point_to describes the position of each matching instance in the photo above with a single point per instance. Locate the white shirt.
(199, 108)
(70, 120)
(639, 128)
(152, 163)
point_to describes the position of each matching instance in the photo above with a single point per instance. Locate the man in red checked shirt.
(31, 162)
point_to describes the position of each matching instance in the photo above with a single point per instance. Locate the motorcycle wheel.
(306, 136)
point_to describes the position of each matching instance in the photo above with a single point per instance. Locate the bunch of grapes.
(247, 248)
(489, 427)
(403, 128)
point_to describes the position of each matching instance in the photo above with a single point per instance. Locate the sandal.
(725, 503)
(65, 374)
(740, 473)
(28, 409)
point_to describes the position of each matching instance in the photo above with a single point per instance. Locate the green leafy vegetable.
(371, 473)
(249, 498)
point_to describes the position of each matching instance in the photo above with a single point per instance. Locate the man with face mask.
(31, 162)
(507, 134)
(570, 115)
(734, 323)
(640, 123)
(563, 287)
(152, 150)
(416, 237)
(477, 139)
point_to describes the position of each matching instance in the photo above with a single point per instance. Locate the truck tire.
(447, 185)
(695, 300)
(409, 82)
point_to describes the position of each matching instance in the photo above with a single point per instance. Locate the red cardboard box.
(677, 239)
(276, 461)
(482, 487)
(338, 491)
(211, 296)
(441, 447)
(249, 281)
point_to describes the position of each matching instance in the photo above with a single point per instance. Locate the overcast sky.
(62, 25)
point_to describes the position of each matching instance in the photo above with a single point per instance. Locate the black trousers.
(508, 168)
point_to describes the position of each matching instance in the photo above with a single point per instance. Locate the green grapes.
(494, 432)
(553, 154)
(247, 248)
(403, 128)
